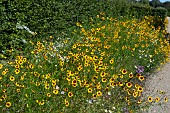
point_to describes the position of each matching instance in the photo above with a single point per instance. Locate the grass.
(99, 67)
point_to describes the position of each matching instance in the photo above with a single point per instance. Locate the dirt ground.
(160, 81)
(168, 26)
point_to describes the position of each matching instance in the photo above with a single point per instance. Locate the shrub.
(158, 13)
(48, 17)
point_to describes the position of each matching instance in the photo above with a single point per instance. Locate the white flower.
(89, 101)
(150, 56)
(114, 108)
(150, 60)
(57, 87)
(62, 92)
(24, 41)
(109, 93)
(25, 27)
(110, 111)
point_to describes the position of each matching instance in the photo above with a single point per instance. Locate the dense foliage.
(56, 18)
(85, 56)
(52, 17)
(101, 67)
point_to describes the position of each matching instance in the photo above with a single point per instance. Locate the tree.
(144, 2)
(155, 3)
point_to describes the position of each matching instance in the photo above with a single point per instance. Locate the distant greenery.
(157, 3)
(167, 6)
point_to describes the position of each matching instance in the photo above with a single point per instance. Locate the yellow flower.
(55, 92)
(53, 83)
(10, 63)
(17, 84)
(17, 66)
(135, 94)
(18, 90)
(38, 84)
(100, 63)
(37, 101)
(161, 92)
(150, 99)
(61, 63)
(70, 94)
(4, 96)
(12, 78)
(124, 71)
(48, 95)
(136, 86)
(102, 74)
(139, 101)
(17, 71)
(99, 93)
(66, 102)
(112, 84)
(141, 78)
(1, 66)
(140, 89)
(112, 79)
(165, 99)
(47, 76)
(4, 90)
(104, 79)
(74, 46)
(94, 96)
(129, 85)
(157, 99)
(8, 104)
(120, 83)
(31, 66)
(90, 90)
(20, 62)
(78, 24)
(24, 59)
(22, 78)
(95, 57)
(127, 98)
(80, 68)
(121, 76)
(130, 75)
(46, 86)
(41, 102)
(103, 53)
(4, 72)
(112, 61)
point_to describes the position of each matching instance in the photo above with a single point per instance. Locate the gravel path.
(160, 81)
(168, 27)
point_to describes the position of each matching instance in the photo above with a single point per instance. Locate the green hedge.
(159, 14)
(56, 17)
(53, 17)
